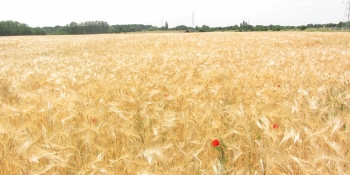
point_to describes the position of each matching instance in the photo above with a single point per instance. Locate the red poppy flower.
(275, 126)
(278, 85)
(215, 142)
(165, 95)
(93, 120)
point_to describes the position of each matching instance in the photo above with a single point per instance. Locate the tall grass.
(153, 103)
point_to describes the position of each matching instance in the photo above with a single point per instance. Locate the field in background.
(279, 103)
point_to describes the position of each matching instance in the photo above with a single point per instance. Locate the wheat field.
(277, 103)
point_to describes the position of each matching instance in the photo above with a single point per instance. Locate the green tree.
(340, 24)
(152, 28)
(181, 27)
(9, 28)
(38, 31)
(3, 29)
(303, 27)
(205, 28)
(73, 28)
(197, 28)
(132, 29)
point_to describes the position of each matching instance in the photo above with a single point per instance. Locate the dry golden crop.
(277, 103)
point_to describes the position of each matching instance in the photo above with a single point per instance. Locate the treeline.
(73, 28)
(131, 28)
(11, 28)
(329, 25)
(244, 26)
(89, 27)
(95, 27)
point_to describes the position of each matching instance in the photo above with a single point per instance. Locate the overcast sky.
(175, 12)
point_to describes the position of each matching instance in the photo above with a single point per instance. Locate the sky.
(219, 13)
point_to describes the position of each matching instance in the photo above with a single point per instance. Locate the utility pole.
(161, 22)
(348, 8)
(347, 15)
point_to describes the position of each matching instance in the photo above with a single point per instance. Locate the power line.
(318, 11)
(347, 26)
(280, 12)
(281, 8)
(305, 6)
(278, 5)
(347, 15)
